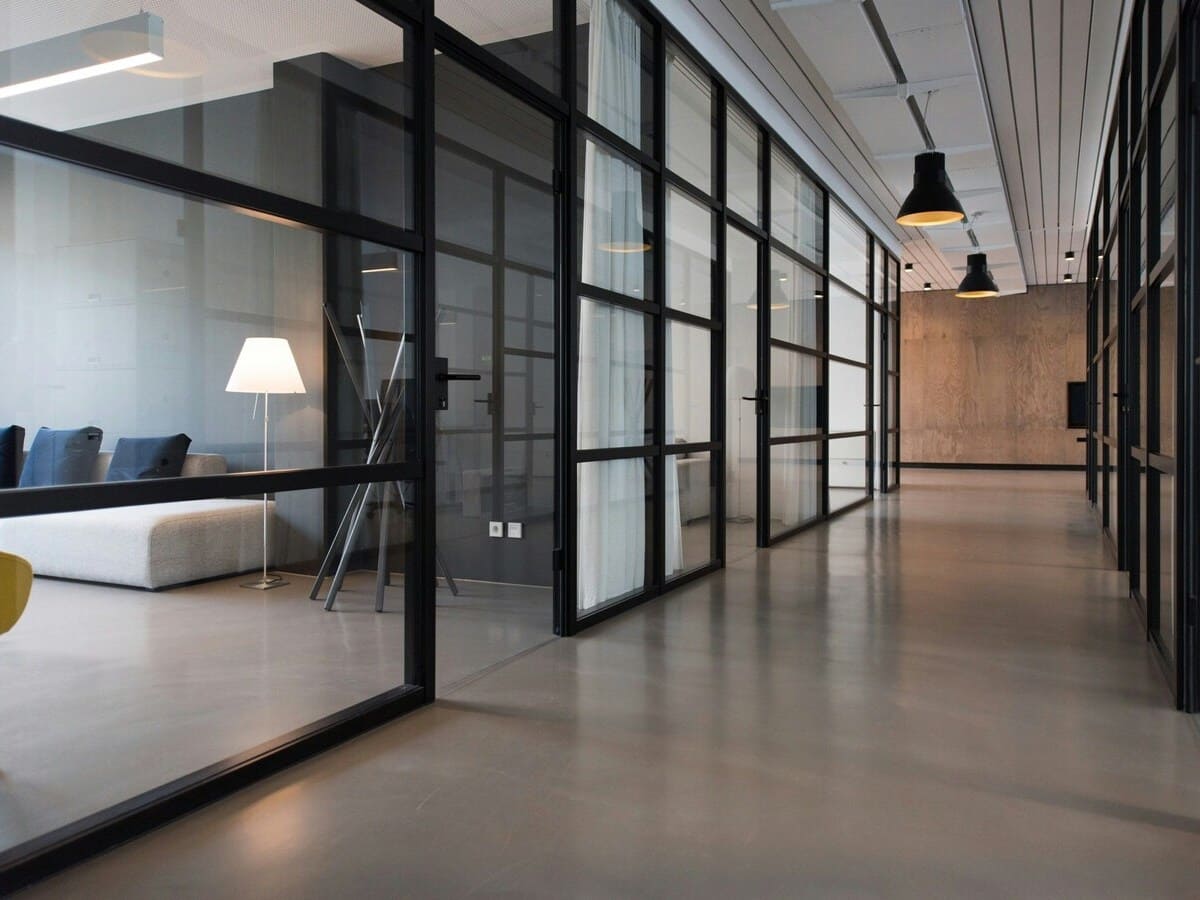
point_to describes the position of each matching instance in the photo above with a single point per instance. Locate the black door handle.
(760, 402)
(443, 378)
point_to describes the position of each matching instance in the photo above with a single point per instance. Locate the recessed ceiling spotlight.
(1069, 255)
(1068, 277)
(908, 267)
(928, 286)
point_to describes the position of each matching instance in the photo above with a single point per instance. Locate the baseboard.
(1033, 467)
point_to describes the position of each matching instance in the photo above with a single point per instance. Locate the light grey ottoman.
(143, 546)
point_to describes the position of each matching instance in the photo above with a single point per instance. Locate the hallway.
(943, 693)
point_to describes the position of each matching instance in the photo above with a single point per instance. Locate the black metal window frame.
(1124, 330)
(428, 36)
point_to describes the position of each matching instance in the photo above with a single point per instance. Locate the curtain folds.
(613, 495)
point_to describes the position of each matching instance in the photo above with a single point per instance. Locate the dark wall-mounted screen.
(1077, 404)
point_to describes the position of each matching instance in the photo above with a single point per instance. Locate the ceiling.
(1013, 91)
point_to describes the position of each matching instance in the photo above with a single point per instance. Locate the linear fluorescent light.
(113, 47)
(387, 261)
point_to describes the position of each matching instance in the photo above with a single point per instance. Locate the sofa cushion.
(151, 457)
(12, 443)
(61, 456)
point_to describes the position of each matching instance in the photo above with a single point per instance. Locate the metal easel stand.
(385, 416)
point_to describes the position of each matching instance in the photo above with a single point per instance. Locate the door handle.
(443, 377)
(760, 402)
(490, 401)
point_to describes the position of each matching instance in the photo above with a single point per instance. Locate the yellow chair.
(16, 580)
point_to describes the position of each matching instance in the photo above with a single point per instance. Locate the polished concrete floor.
(942, 694)
(109, 692)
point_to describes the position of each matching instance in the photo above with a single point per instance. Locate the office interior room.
(359, 352)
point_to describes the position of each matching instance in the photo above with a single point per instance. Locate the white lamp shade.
(265, 366)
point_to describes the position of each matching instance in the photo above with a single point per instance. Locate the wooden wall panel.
(985, 381)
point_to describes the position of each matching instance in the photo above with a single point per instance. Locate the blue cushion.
(12, 442)
(65, 456)
(151, 457)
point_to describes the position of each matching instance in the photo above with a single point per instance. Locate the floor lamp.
(265, 366)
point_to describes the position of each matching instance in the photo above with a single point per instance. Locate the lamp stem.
(266, 467)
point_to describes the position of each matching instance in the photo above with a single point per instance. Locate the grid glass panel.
(616, 66)
(847, 398)
(849, 249)
(797, 306)
(689, 384)
(796, 208)
(691, 129)
(743, 185)
(795, 393)
(613, 529)
(615, 376)
(795, 485)
(691, 502)
(616, 222)
(690, 254)
(847, 324)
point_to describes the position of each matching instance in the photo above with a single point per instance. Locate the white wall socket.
(514, 529)
(496, 529)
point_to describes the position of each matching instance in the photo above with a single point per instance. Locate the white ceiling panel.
(1019, 96)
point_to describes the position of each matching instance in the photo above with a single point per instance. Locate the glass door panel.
(496, 326)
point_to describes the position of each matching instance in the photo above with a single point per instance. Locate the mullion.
(656, 563)
(777, 245)
(214, 190)
(606, 454)
(457, 46)
(681, 184)
(613, 142)
(687, 318)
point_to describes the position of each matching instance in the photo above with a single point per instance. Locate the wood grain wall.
(985, 381)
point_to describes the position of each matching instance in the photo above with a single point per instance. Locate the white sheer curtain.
(612, 340)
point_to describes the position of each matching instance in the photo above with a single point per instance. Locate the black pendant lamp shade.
(978, 282)
(930, 202)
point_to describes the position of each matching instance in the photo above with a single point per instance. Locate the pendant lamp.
(978, 281)
(930, 202)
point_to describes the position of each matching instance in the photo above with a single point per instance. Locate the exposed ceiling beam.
(979, 248)
(906, 89)
(980, 192)
(949, 151)
(807, 4)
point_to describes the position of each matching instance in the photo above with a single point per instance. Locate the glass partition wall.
(559, 315)
(215, 291)
(1140, 359)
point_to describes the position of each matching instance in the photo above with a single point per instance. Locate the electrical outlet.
(514, 529)
(496, 529)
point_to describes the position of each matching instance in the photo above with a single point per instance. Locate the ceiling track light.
(112, 47)
(1068, 277)
(908, 267)
(978, 282)
(1069, 255)
(930, 202)
(928, 286)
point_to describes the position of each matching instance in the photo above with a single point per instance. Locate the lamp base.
(266, 583)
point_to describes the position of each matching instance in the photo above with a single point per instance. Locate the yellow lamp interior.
(977, 295)
(624, 247)
(930, 217)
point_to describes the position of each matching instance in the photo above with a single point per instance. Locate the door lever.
(759, 399)
(443, 377)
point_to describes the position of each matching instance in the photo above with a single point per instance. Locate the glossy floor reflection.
(942, 694)
(109, 692)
